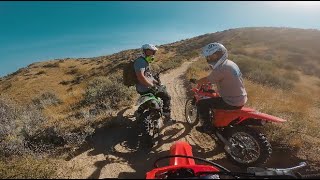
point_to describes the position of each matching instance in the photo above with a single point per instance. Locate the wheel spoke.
(245, 149)
(191, 112)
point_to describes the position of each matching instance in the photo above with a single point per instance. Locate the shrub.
(51, 65)
(196, 69)
(287, 66)
(10, 141)
(78, 137)
(46, 139)
(73, 71)
(109, 92)
(291, 76)
(17, 125)
(172, 63)
(295, 59)
(46, 99)
(64, 82)
(6, 85)
(268, 78)
(310, 69)
(237, 51)
(268, 57)
(191, 54)
(40, 72)
(263, 72)
(77, 80)
(21, 70)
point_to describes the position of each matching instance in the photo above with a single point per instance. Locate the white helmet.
(149, 46)
(212, 48)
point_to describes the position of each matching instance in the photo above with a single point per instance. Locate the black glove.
(193, 80)
(154, 89)
(158, 88)
(157, 76)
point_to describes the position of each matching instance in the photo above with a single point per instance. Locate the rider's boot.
(167, 117)
(145, 142)
(205, 124)
(138, 113)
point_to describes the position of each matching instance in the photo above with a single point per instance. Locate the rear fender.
(244, 116)
(258, 118)
(250, 121)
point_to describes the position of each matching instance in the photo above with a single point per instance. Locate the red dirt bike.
(244, 145)
(182, 166)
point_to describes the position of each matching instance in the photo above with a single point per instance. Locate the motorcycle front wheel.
(150, 127)
(191, 112)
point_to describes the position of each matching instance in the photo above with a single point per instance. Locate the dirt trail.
(113, 152)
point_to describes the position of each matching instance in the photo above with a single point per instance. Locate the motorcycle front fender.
(144, 98)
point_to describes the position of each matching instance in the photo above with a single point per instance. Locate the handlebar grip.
(310, 176)
(275, 174)
(193, 80)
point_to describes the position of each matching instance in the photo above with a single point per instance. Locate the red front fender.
(181, 148)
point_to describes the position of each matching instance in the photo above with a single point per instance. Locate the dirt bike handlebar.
(157, 77)
(192, 157)
(252, 172)
(205, 87)
(301, 165)
(269, 173)
(309, 176)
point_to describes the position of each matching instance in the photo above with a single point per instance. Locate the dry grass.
(28, 167)
(70, 121)
(198, 69)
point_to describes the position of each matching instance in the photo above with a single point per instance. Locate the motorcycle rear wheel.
(249, 147)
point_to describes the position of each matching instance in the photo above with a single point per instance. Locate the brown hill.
(75, 96)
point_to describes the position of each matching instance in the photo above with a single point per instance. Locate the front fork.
(151, 106)
(155, 110)
(227, 144)
(217, 131)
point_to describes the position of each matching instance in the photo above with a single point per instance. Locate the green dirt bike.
(150, 120)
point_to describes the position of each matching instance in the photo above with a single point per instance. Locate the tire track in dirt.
(174, 80)
(113, 152)
(175, 87)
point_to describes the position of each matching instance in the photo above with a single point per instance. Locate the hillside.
(59, 103)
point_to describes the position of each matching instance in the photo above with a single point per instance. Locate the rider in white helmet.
(228, 78)
(148, 51)
(147, 83)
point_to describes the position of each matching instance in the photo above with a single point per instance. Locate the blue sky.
(39, 31)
